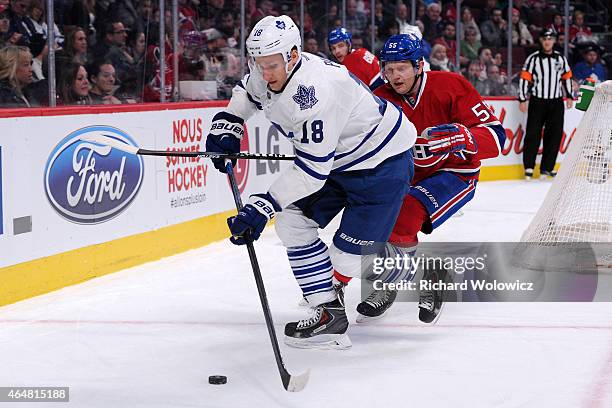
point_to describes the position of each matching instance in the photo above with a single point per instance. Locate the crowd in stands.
(108, 51)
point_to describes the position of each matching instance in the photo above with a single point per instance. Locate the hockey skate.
(431, 301)
(325, 329)
(375, 305)
(338, 288)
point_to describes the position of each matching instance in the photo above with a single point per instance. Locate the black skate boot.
(375, 305)
(432, 301)
(325, 329)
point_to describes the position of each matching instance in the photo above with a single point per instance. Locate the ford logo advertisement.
(87, 183)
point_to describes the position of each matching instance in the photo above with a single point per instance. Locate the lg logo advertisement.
(87, 183)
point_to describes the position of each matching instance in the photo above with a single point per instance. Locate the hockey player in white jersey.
(353, 153)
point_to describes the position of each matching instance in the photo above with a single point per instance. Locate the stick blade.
(296, 383)
(109, 141)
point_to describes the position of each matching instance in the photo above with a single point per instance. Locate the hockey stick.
(114, 143)
(291, 383)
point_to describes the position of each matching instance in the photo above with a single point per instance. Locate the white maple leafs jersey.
(333, 120)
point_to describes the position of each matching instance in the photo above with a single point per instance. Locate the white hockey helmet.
(274, 35)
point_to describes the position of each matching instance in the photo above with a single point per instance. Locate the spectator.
(219, 64)
(357, 42)
(401, 16)
(471, 45)
(102, 79)
(392, 28)
(537, 16)
(420, 11)
(5, 23)
(124, 11)
(356, 21)
(523, 8)
(230, 29)
(311, 45)
(439, 60)
(37, 18)
(115, 49)
(495, 84)
(15, 75)
(75, 48)
(487, 10)
(433, 22)
(145, 15)
(264, 8)
(558, 23)
(591, 67)
(448, 41)
(379, 14)
(485, 58)
(467, 21)
(137, 46)
(191, 65)
(186, 10)
(378, 42)
(578, 31)
(474, 75)
(39, 50)
(494, 30)
(73, 86)
(520, 33)
(19, 22)
(498, 60)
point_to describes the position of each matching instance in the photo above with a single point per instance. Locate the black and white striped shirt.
(545, 76)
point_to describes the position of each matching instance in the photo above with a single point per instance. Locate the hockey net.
(578, 206)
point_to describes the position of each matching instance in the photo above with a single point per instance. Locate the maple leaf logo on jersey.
(305, 97)
(280, 25)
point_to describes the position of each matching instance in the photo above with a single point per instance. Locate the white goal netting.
(578, 207)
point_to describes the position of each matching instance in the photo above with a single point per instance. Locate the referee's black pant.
(547, 113)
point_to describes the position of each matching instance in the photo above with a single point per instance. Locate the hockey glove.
(450, 138)
(225, 134)
(253, 218)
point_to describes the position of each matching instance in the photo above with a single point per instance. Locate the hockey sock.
(341, 278)
(313, 271)
(402, 267)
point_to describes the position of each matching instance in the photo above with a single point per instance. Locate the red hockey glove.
(449, 138)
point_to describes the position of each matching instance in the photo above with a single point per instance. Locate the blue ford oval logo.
(87, 183)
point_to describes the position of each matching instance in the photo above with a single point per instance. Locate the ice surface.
(151, 335)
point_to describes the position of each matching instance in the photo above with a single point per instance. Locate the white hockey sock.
(402, 269)
(313, 271)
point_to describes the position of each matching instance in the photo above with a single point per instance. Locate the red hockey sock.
(341, 278)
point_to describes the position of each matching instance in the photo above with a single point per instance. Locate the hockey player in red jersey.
(361, 62)
(457, 130)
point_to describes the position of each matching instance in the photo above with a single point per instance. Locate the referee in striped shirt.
(546, 78)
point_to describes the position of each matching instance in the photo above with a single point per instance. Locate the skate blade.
(363, 319)
(321, 342)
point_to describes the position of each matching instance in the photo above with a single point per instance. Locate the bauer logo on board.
(87, 183)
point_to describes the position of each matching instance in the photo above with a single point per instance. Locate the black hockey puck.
(217, 379)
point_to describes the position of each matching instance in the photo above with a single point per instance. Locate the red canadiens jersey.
(364, 65)
(445, 97)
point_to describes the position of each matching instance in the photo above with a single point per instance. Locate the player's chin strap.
(416, 80)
